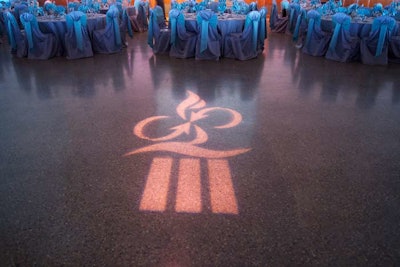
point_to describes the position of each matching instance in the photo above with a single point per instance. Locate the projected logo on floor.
(188, 192)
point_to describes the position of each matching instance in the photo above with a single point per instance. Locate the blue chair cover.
(40, 45)
(252, 6)
(277, 24)
(77, 41)
(293, 15)
(343, 47)
(158, 37)
(208, 44)
(112, 18)
(108, 40)
(142, 16)
(214, 6)
(340, 22)
(19, 9)
(317, 41)
(262, 32)
(301, 25)
(73, 6)
(16, 39)
(132, 14)
(374, 48)
(183, 42)
(243, 46)
(127, 22)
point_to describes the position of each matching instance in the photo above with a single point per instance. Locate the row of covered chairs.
(34, 44)
(378, 48)
(206, 42)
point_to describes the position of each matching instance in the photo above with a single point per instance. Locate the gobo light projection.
(188, 193)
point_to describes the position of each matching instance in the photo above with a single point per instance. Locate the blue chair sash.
(11, 25)
(314, 19)
(263, 15)
(127, 21)
(173, 19)
(302, 15)
(206, 18)
(112, 18)
(150, 31)
(385, 25)
(294, 7)
(77, 19)
(253, 18)
(29, 22)
(339, 20)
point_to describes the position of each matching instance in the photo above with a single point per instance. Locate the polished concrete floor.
(313, 178)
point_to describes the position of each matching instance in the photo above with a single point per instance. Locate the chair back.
(314, 22)
(263, 24)
(273, 17)
(252, 22)
(156, 22)
(382, 28)
(30, 25)
(127, 21)
(341, 22)
(294, 13)
(75, 21)
(112, 18)
(12, 28)
(205, 19)
(300, 19)
(175, 17)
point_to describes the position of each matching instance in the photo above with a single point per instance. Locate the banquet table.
(227, 23)
(58, 26)
(358, 27)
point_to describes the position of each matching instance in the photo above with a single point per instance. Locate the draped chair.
(343, 47)
(183, 42)
(108, 40)
(262, 29)
(317, 41)
(277, 23)
(243, 46)
(19, 9)
(142, 10)
(214, 6)
(158, 36)
(132, 15)
(208, 45)
(77, 41)
(40, 45)
(374, 48)
(293, 15)
(300, 30)
(124, 22)
(16, 39)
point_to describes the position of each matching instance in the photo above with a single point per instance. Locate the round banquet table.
(358, 27)
(58, 26)
(227, 23)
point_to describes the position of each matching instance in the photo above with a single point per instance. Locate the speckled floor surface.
(318, 186)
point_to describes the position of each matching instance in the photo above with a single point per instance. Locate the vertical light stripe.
(222, 194)
(188, 195)
(157, 185)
